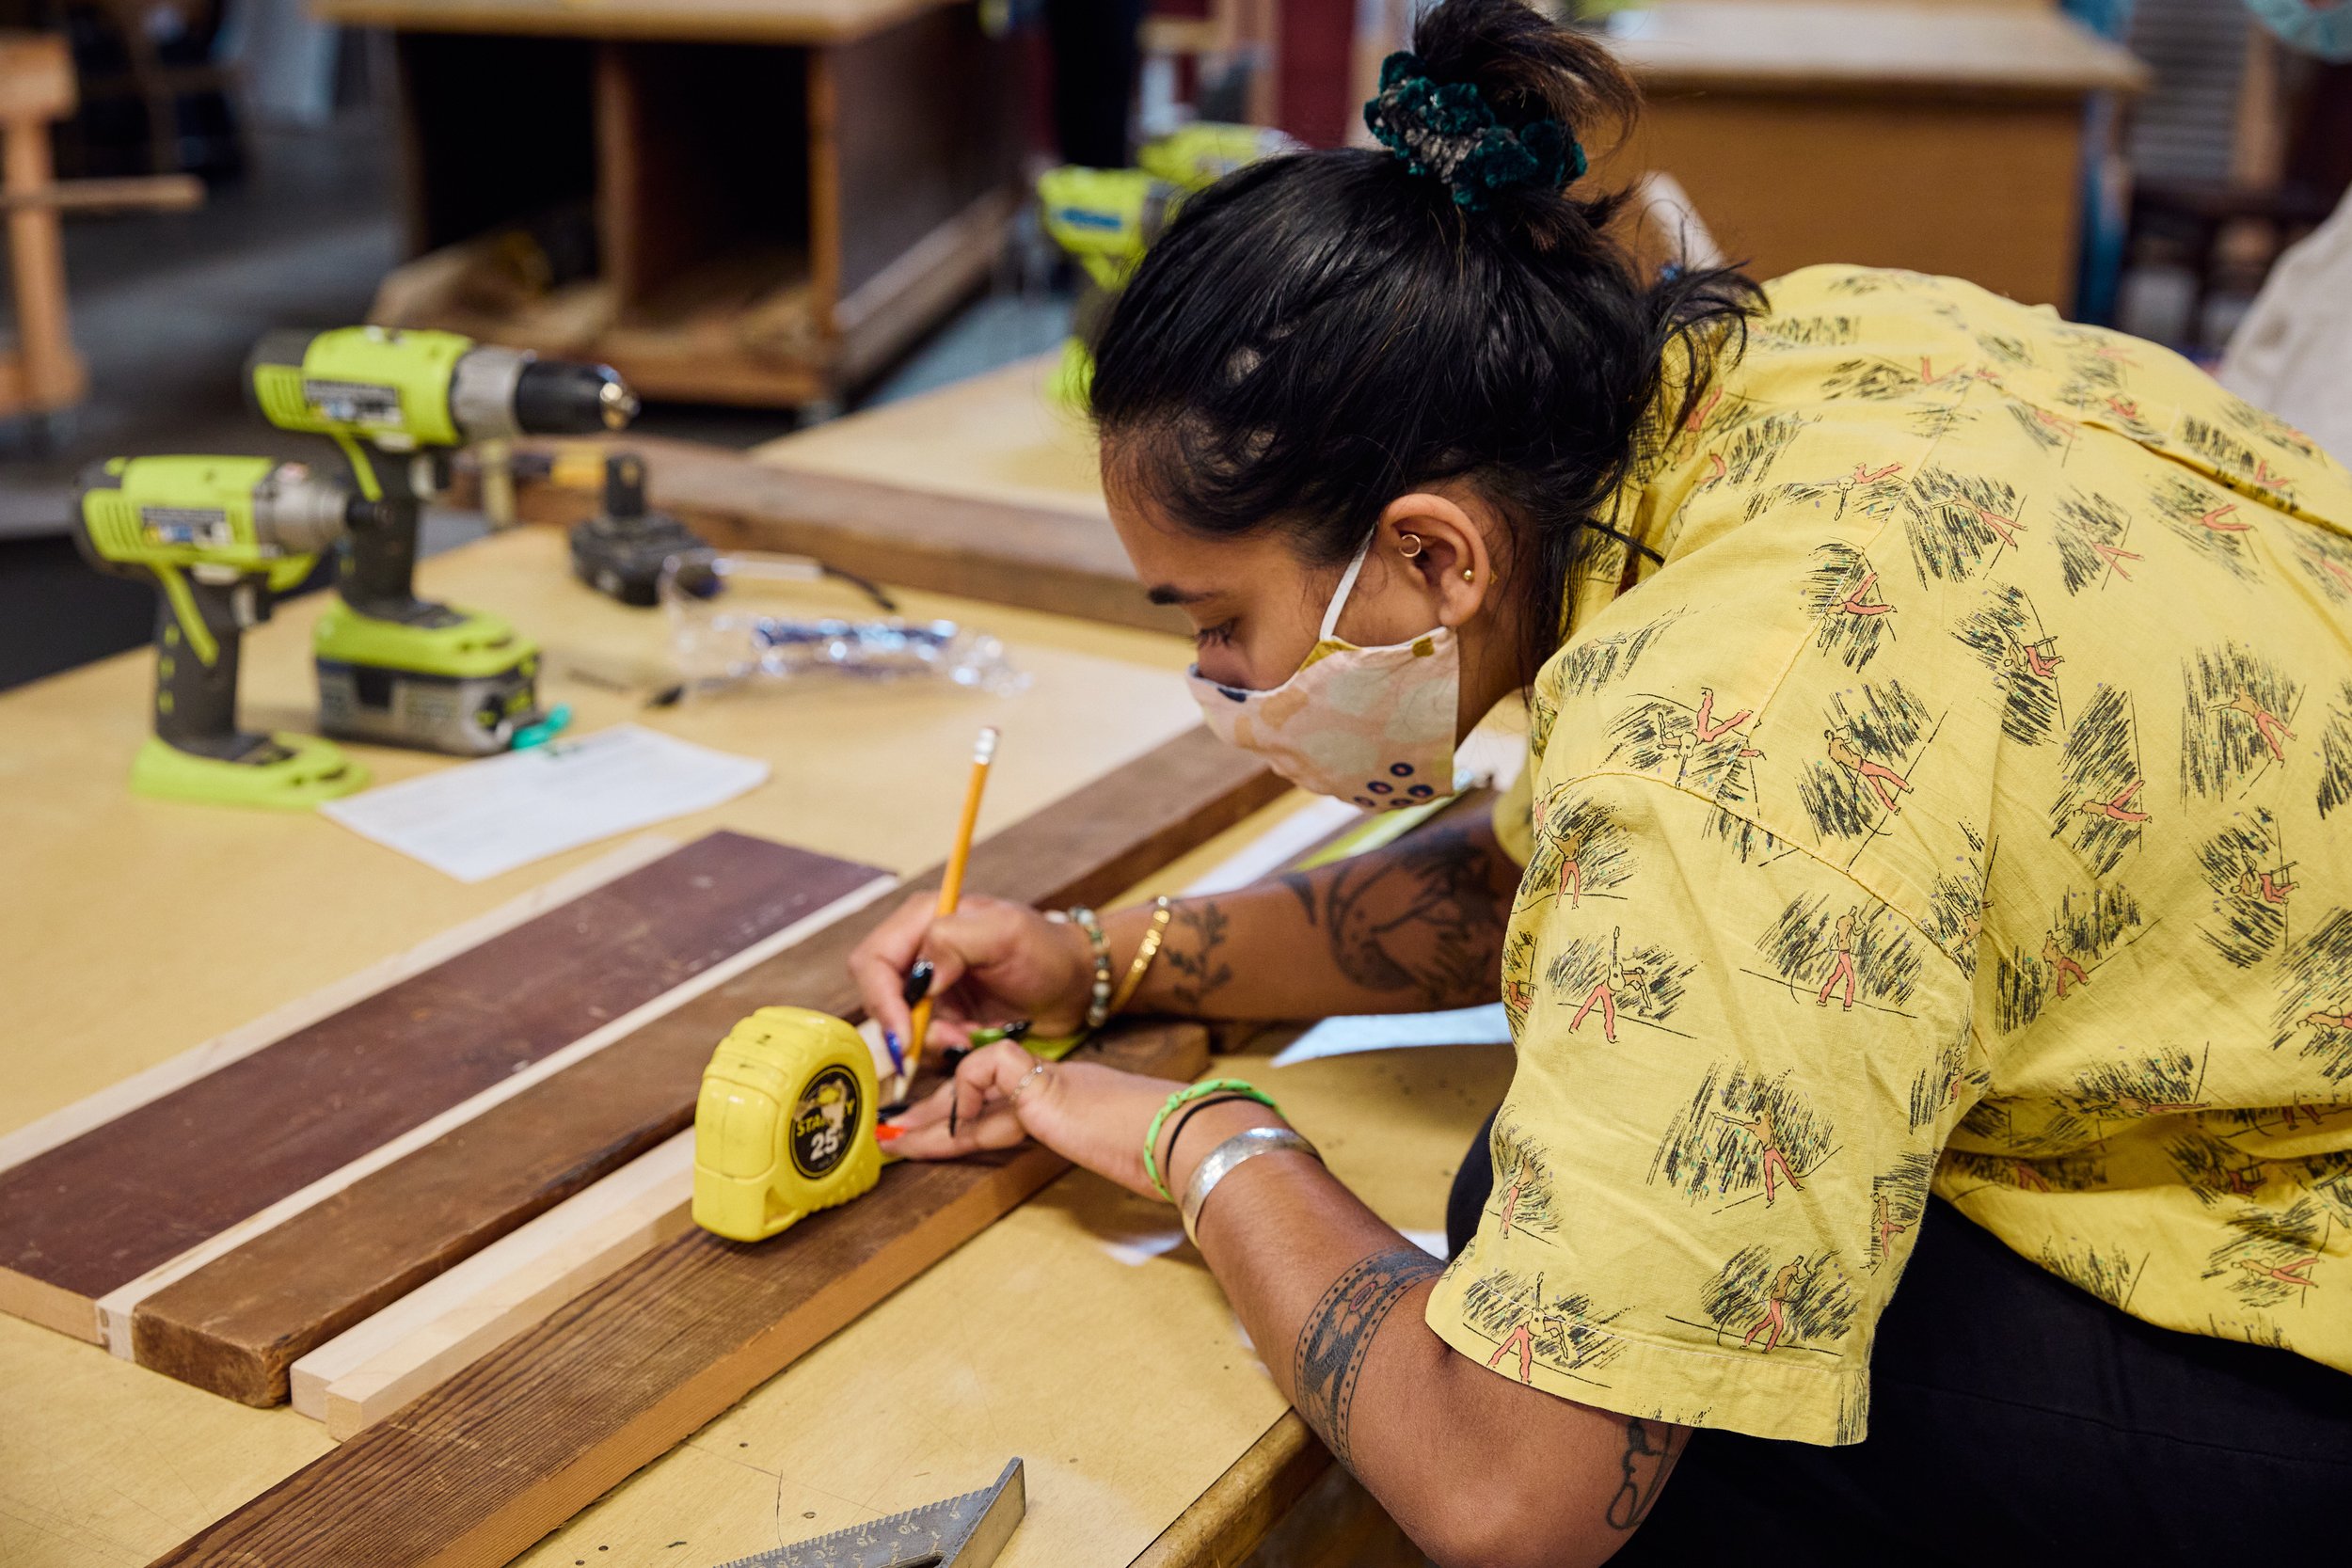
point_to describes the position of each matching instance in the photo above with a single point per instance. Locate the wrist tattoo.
(1426, 917)
(1190, 952)
(1337, 1338)
(1651, 1451)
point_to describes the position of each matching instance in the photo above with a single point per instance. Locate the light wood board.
(370, 1371)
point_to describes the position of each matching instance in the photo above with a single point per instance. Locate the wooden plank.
(72, 1121)
(1035, 556)
(1825, 48)
(367, 1372)
(128, 1197)
(1235, 1515)
(236, 1325)
(478, 1469)
(254, 1369)
(798, 22)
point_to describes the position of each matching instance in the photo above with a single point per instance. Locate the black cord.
(1201, 1104)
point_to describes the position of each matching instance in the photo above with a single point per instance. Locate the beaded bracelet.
(1185, 1096)
(1099, 1001)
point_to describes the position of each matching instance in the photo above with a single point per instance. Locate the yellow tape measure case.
(785, 1123)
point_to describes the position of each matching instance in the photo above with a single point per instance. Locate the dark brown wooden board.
(1054, 558)
(100, 1211)
(478, 1469)
(237, 1324)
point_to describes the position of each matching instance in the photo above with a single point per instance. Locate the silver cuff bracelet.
(1235, 1151)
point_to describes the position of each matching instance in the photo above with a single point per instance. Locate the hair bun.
(1448, 132)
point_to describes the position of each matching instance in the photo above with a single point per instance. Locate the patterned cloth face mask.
(1371, 725)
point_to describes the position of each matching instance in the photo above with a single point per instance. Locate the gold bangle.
(1163, 911)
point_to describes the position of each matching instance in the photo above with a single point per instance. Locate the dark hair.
(1318, 334)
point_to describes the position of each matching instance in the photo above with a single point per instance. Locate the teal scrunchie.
(1448, 132)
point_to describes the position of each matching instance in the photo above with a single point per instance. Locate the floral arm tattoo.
(1337, 1338)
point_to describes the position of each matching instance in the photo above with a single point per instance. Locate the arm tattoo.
(1337, 1337)
(1426, 917)
(1191, 952)
(1651, 1451)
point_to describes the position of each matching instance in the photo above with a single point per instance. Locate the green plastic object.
(559, 717)
(474, 645)
(311, 771)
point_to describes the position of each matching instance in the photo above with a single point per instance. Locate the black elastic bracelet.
(1201, 1104)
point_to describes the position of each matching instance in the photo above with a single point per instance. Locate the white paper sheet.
(1343, 1037)
(480, 819)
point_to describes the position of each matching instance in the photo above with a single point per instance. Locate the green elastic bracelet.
(1183, 1096)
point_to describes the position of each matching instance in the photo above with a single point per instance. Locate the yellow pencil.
(952, 885)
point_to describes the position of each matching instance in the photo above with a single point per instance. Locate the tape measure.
(785, 1123)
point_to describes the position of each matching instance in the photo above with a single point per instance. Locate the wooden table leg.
(50, 375)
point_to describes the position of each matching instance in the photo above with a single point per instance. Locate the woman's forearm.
(1413, 927)
(1479, 1469)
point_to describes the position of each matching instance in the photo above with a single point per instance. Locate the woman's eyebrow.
(1168, 593)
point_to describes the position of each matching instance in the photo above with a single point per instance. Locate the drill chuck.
(505, 392)
(299, 513)
(557, 398)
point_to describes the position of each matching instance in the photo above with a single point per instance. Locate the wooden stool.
(43, 376)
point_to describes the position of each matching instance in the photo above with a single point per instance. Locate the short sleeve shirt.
(1965, 806)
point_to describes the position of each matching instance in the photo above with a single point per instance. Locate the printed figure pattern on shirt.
(1961, 808)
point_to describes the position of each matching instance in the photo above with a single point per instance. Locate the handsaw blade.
(957, 1532)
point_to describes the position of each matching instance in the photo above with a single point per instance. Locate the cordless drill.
(219, 538)
(1106, 218)
(394, 667)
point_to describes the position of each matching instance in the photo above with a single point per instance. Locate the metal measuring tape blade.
(958, 1532)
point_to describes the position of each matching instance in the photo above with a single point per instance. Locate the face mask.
(1371, 725)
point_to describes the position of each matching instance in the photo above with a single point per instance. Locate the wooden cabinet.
(727, 202)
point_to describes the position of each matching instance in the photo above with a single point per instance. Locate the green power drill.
(221, 538)
(392, 666)
(1106, 218)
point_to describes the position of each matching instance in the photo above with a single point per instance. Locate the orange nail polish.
(885, 1133)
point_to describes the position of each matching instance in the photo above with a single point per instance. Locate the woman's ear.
(1442, 545)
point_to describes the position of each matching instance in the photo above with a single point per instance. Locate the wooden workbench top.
(1845, 46)
(793, 22)
(1079, 1333)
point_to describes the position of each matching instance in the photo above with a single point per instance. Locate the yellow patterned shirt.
(1965, 806)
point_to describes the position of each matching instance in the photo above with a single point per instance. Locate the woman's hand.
(1090, 1114)
(993, 961)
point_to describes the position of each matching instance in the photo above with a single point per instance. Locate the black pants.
(2016, 1419)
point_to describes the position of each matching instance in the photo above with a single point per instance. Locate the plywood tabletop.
(996, 437)
(135, 928)
(789, 21)
(1079, 1333)
(1855, 46)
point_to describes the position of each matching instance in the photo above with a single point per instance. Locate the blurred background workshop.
(512, 512)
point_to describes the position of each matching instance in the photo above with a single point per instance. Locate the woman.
(1945, 710)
